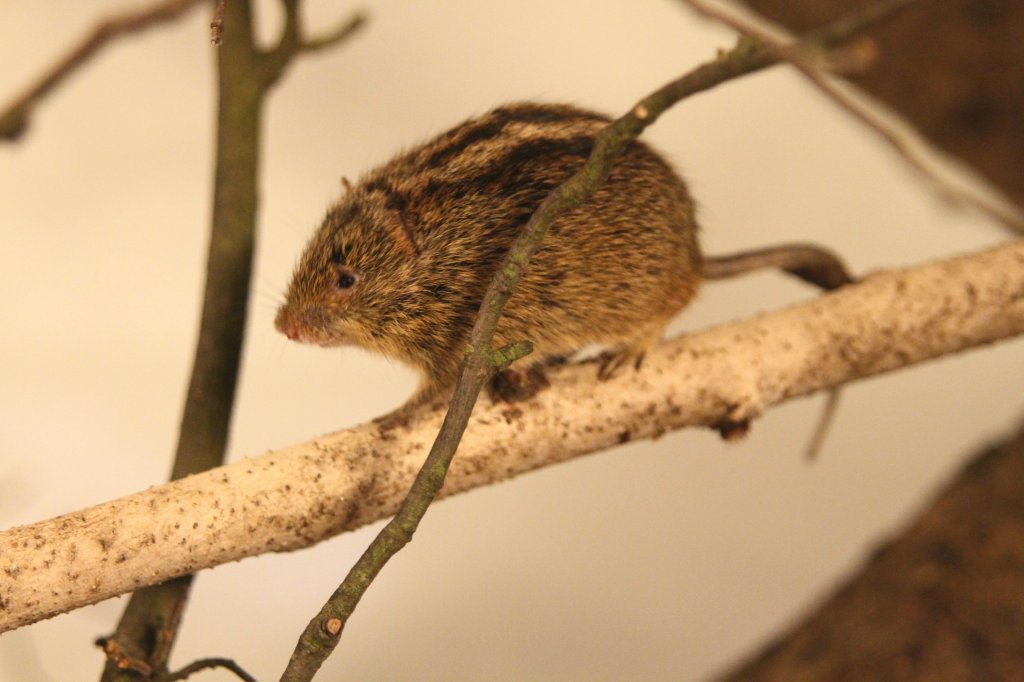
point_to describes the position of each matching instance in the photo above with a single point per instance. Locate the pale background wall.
(661, 560)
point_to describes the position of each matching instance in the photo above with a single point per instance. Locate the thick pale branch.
(297, 496)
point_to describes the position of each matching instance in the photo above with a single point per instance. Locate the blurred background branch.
(15, 117)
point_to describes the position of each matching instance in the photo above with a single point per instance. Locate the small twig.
(821, 429)
(804, 61)
(217, 22)
(291, 32)
(121, 659)
(126, 663)
(323, 632)
(292, 43)
(15, 117)
(331, 38)
(206, 664)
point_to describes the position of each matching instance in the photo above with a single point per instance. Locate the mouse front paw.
(513, 386)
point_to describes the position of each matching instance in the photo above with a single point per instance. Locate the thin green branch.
(14, 118)
(503, 357)
(323, 632)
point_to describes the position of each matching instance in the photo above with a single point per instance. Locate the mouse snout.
(306, 324)
(290, 324)
(290, 332)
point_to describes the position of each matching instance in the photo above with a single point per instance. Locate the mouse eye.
(346, 278)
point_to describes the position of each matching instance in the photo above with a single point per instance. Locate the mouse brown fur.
(401, 261)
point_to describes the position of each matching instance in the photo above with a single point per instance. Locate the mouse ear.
(395, 223)
(394, 215)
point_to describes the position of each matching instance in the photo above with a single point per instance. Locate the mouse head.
(350, 279)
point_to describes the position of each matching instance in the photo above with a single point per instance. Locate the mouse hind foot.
(631, 353)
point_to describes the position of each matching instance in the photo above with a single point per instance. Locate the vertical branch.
(245, 75)
(205, 422)
(150, 622)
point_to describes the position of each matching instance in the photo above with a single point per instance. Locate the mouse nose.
(286, 324)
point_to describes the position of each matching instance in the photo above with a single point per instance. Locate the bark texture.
(724, 377)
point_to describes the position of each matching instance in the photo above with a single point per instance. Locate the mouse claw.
(608, 365)
(612, 362)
